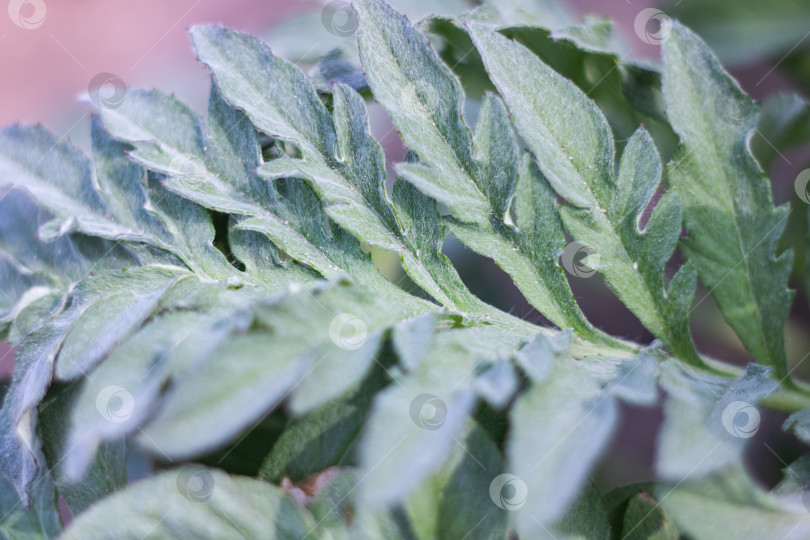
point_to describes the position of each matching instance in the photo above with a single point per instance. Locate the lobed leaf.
(573, 141)
(729, 215)
(424, 100)
(343, 163)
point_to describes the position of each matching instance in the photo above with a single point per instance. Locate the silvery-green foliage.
(200, 275)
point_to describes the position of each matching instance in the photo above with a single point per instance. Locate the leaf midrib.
(730, 205)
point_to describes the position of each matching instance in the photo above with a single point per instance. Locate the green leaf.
(107, 317)
(120, 184)
(616, 501)
(39, 520)
(194, 501)
(497, 384)
(586, 519)
(796, 477)
(107, 472)
(730, 219)
(587, 54)
(799, 424)
(474, 179)
(455, 501)
(58, 177)
(37, 274)
(708, 508)
(124, 391)
(415, 424)
(424, 101)
(552, 450)
(238, 384)
(322, 438)
(212, 166)
(423, 231)
(708, 420)
(411, 339)
(341, 160)
(565, 157)
(563, 126)
(34, 367)
(529, 251)
(335, 67)
(636, 381)
(170, 293)
(644, 520)
(807, 253)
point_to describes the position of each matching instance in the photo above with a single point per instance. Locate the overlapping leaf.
(339, 157)
(158, 325)
(575, 148)
(707, 509)
(200, 502)
(729, 215)
(474, 179)
(708, 420)
(628, 92)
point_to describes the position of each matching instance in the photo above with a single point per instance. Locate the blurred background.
(54, 53)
